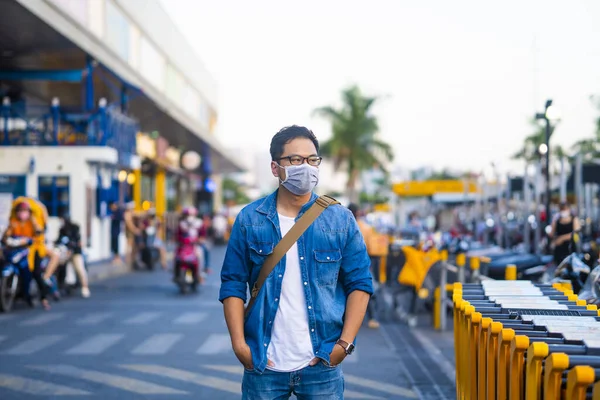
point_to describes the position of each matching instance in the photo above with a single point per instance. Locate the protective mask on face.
(190, 219)
(300, 179)
(23, 215)
(565, 214)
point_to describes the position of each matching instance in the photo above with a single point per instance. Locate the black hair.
(286, 135)
(353, 208)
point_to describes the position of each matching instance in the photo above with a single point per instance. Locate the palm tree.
(589, 148)
(354, 145)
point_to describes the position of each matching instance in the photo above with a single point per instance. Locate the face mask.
(565, 214)
(190, 218)
(23, 215)
(300, 179)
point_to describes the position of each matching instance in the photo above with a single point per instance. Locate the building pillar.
(160, 192)
(137, 189)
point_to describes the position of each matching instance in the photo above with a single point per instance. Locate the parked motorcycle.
(591, 289)
(574, 270)
(15, 271)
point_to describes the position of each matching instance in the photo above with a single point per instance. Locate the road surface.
(137, 338)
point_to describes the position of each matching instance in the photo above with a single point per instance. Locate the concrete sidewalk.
(99, 271)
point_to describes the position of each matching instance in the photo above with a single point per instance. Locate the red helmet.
(23, 206)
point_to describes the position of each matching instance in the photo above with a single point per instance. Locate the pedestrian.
(368, 233)
(309, 290)
(563, 228)
(71, 230)
(116, 220)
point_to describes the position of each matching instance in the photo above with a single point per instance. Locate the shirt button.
(309, 307)
(276, 299)
(260, 251)
(270, 322)
(328, 258)
(265, 345)
(312, 330)
(305, 283)
(281, 276)
(302, 258)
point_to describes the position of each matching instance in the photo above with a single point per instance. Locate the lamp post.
(549, 115)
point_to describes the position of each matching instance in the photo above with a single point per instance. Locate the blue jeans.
(320, 382)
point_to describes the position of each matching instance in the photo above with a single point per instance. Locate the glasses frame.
(289, 158)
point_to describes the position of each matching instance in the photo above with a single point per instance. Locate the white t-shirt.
(290, 348)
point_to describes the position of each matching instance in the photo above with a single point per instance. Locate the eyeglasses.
(299, 160)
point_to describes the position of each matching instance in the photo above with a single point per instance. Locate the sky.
(459, 80)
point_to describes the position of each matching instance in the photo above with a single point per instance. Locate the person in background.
(71, 230)
(205, 230)
(368, 233)
(131, 231)
(24, 225)
(153, 220)
(116, 219)
(562, 231)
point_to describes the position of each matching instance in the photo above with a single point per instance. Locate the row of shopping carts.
(520, 340)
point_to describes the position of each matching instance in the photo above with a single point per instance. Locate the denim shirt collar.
(269, 205)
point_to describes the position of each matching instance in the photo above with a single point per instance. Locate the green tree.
(589, 147)
(233, 191)
(354, 146)
(529, 151)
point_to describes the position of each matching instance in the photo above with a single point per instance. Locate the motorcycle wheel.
(7, 294)
(181, 281)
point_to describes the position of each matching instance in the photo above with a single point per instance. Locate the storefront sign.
(429, 188)
(146, 147)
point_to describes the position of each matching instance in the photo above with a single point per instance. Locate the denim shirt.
(333, 263)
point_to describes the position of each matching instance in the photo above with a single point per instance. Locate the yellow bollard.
(591, 307)
(494, 331)
(533, 381)
(578, 380)
(437, 309)
(482, 358)
(516, 385)
(457, 298)
(463, 350)
(596, 391)
(444, 255)
(556, 364)
(504, 341)
(475, 263)
(511, 272)
(461, 261)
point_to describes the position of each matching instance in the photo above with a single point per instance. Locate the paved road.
(136, 337)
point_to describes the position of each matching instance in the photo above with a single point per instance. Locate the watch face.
(350, 349)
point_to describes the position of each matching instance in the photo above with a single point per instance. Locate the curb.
(106, 272)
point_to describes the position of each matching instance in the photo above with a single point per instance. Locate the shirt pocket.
(259, 252)
(328, 266)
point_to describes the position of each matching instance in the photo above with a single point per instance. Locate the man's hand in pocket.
(243, 353)
(337, 355)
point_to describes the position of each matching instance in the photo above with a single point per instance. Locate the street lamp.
(549, 115)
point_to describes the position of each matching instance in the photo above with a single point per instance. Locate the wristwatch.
(348, 347)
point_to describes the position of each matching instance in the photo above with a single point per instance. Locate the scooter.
(15, 272)
(190, 260)
(574, 270)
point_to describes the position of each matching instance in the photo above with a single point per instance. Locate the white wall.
(74, 162)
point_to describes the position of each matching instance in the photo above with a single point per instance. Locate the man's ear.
(274, 169)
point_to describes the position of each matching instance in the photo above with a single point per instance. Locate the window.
(117, 32)
(152, 64)
(54, 194)
(174, 85)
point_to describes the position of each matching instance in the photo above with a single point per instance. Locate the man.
(116, 218)
(306, 316)
(369, 236)
(131, 231)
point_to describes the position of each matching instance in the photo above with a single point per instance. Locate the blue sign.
(209, 185)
